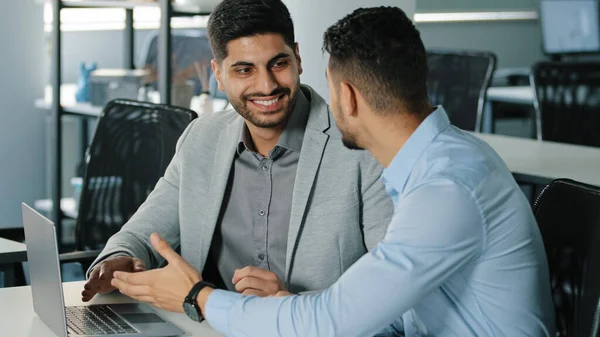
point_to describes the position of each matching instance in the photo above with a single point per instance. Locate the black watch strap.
(193, 295)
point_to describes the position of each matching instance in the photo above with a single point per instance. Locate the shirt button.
(265, 167)
(261, 257)
(261, 212)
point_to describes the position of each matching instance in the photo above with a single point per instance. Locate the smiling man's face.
(261, 77)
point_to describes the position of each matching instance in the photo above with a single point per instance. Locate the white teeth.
(267, 103)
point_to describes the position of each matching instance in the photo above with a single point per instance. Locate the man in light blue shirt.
(462, 255)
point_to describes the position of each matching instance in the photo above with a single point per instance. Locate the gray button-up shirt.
(255, 216)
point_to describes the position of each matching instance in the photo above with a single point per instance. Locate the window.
(85, 19)
(428, 11)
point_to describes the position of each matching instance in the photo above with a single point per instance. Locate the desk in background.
(17, 318)
(11, 255)
(540, 162)
(522, 96)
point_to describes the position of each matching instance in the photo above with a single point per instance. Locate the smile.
(269, 102)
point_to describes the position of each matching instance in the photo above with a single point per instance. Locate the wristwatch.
(190, 305)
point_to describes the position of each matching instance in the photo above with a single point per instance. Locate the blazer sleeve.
(159, 213)
(376, 205)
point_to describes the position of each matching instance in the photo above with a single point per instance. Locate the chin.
(351, 144)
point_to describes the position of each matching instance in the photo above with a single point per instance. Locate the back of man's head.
(380, 52)
(233, 19)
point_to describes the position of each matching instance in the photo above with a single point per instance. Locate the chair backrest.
(567, 102)
(132, 146)
(568, 214)
(459, 80)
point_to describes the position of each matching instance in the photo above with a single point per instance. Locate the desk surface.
(542, 161)
(17, 318)
(12, 251)
(67, 99)
(516, 95)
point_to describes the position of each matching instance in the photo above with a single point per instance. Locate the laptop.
(132, 319)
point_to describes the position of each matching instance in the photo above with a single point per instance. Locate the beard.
(348, 139)
(349, 142)
(265, 119)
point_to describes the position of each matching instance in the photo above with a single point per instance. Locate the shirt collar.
(396, 174)
(293, 133)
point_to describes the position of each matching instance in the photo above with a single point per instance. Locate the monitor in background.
(570, 26)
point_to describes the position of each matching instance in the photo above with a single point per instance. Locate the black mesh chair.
(132, 146)
(459, 80)
(567, 102)
(568, 214)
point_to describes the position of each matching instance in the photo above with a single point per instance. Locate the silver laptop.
(134, 319)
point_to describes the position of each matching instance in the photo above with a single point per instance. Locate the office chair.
(567, 102)
(133, 144)
(459, 80)
(568, 215)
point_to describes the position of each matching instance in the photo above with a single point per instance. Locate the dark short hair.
(379, 50)
(233, 19)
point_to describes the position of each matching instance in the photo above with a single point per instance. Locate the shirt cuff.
(217, 309)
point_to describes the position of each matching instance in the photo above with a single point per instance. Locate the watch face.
(191, 311)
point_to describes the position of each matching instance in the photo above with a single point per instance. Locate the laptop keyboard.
(96, 320)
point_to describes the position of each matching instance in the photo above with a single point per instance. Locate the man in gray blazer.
(264, 197)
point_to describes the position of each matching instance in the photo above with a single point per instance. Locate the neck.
(387, 135)
(264, 139)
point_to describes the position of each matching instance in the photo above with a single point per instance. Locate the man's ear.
(217, 71)
(298, 58)
(348, 98)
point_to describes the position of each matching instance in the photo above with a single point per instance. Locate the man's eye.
(281, 63)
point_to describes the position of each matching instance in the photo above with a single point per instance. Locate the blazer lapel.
(226, 146)
(313, 146)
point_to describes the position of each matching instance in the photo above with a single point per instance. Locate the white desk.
(67, 100)
(516, 95)
(12, 252)
(17, 318)
(540, 162)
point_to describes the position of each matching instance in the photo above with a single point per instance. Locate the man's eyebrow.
(242, 63)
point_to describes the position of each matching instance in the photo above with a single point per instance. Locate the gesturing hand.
(166, 287)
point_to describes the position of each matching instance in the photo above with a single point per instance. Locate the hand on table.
(102, 274)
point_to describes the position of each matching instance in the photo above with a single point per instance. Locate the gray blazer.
(339, 206)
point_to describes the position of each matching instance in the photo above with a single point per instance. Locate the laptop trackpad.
(141, 318)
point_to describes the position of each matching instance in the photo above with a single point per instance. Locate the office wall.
(312, 17)
(22, 132)
(516, 43)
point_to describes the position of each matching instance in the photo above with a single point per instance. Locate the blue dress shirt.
(462, 257)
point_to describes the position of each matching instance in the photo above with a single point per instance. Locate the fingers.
(249, 283)
(252, 283)
(132, 290)
(282, 294)
(163, 248)
(251, 271)
(87, 295)
(254, 292)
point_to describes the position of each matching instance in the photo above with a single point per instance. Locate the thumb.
(163, 248)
